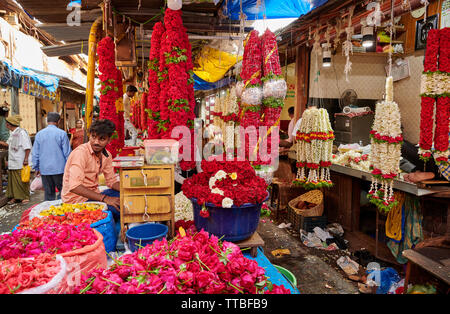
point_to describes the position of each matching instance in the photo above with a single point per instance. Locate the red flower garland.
(111, 90)
(437, 60)
(153, 104)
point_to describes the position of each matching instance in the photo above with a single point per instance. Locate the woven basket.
(315, 197)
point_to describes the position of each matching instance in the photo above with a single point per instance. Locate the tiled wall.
(367, 78)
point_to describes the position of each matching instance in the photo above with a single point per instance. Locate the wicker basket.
(315, 197)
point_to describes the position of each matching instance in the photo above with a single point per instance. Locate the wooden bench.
(434, 260)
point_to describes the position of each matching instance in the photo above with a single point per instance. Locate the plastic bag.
(107, 228)
(25, 173)
(51, 286)
(36, 184)
(81, 262)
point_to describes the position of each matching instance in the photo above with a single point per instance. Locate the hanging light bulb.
(326, 59)
(368, 38)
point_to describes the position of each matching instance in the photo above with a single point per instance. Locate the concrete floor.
(316, 270)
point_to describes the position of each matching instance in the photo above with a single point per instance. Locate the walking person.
(19, 147)
(128, 126)
(49, 155)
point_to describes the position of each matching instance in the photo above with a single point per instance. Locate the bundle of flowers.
(251, 95)
(191, 263)
(83, 217)
(314, 147)
(180, 98)
(435, 87)
(110, 81)
(153, 105)
(225, 184)
(65, 208)
(230, 117)
(183, 208)
(385, 150)
(53, 239)
(163, 80)
(353, 160)
(20, 274)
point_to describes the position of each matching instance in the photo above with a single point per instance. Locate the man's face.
(131, 94)
(98, 142)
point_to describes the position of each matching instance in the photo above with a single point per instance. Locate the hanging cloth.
(395, 218)
(413, 233)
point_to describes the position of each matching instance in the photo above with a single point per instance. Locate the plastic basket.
(142, 235)
(315, 197)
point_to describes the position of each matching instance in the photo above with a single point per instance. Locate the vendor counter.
(342, 204)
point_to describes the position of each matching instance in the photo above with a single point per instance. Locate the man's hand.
(113, 201)
(25, 161)
(37, 173)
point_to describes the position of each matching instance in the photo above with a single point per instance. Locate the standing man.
(49, 155)
(85, 163)
(288, 142)
(19, 147)
(4, 132)
(131, 90)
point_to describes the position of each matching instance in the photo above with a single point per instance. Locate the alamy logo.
(74, 17)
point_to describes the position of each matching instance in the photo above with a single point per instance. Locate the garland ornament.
(314, 149)
(386, 141)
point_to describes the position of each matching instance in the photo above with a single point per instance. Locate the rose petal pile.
(19, 274)
(53, 239)
(240, 184)
(192, 263)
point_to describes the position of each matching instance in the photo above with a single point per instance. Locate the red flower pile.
(437, 62)
(20, 274)
(241, 184)
(153, 105)
(192, 263)
(111, 90)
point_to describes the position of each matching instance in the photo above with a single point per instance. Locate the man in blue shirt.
(50, 151)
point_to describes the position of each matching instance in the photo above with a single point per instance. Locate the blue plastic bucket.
(142, 235)
(231, 224)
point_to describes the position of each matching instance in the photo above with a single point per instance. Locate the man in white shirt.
(288, 142)
(128, 126)
(19, 148)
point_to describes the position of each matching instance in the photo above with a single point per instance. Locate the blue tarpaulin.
(273, 9)
(12, 76)
(200, 84)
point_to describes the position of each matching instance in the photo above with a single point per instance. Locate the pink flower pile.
(53, 239)
(194, 263)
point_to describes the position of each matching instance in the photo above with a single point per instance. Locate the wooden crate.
(147, 194)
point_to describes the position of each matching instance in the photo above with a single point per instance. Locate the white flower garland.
(385, 156)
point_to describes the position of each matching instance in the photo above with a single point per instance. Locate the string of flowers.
(347, 46)
(251, 97)
(314, 147)
(111, 90)
(274, 88)
(435, 87)
(153, 105)
(386, 141)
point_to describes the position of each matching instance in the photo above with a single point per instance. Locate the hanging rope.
(391, 31)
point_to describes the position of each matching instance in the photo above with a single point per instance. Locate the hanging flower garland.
(314, 149)
(386, 141)
(435, 88)
(251, 97)
(180, 97)
(153, 105)
(275, 87)
(111, 90)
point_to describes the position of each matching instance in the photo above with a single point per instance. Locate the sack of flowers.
(190, 263)
(227, 197)
(41, 274)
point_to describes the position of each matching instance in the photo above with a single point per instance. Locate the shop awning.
(273, 9)
(11, 76)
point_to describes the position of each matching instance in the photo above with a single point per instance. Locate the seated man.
(85, 163)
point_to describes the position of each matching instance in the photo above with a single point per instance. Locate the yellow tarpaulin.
(212, 64)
